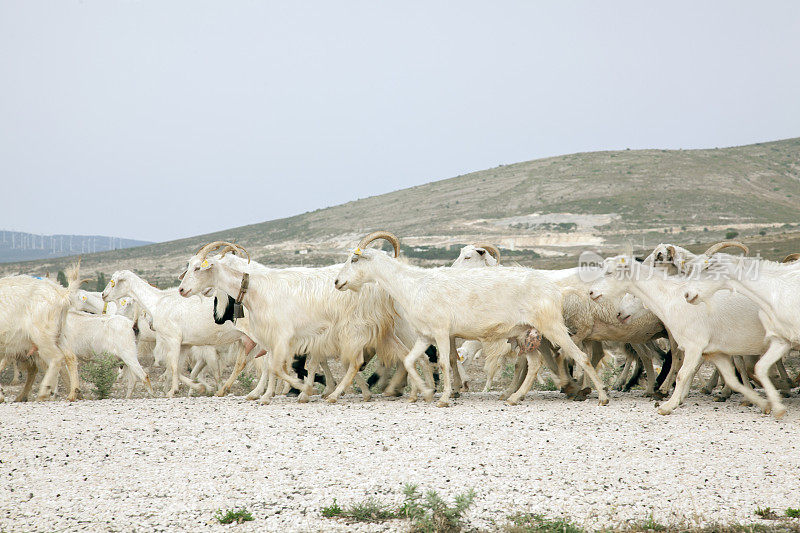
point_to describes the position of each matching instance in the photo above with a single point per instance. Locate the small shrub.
(432, 514)
(535, 523)
(793, 513)
(731, 234)
(246, 380)
(766, 513)
(101, 371)
(232, 516)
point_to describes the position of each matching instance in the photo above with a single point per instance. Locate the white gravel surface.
(168, 464)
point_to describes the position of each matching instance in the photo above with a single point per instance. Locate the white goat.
(176, 321)
(87, 334)
(728, 327)
(774, 288)
(32, 319)
(441, 304)
(297, 310)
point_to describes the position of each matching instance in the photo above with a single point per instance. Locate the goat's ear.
(481, 251)
(672, 252)
(181, 276)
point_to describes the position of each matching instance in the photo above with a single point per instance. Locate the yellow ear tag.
(83, 298)
(357, 251)
(204, 264)
(123, 302)
(622, 260)
(112, 283)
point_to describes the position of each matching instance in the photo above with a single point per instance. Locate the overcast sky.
(165, 119)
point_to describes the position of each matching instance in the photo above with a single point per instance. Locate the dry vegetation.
(685, 196)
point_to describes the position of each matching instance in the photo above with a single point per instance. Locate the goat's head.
(477, 256)
(199, 276)
(356, 270)
(630, 307)
(118, 286)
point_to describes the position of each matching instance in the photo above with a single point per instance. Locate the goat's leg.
(410, 362)
(364, 386)
(726, 371)
(311, 371)
(693, 357)
(397, 382)
(619, 383)
(778, 348)
(785, 384)
(675, 367)
(270, 392)
(459, 385)
(534, 363)
(238, 366)
(443, 343)
(330, 381)
(261, 364)
(3, 362)
(30, 370)
(281, 355)
(741, 366)
(558, 336)
(711, 383)
(347, 380)
(16, 373)
(520, 371)
(647, 361)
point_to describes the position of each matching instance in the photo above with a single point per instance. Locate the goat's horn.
(233, 247)
(84, 280)
(492, 249)
(375, 235)
(714, 248)
(791, 258)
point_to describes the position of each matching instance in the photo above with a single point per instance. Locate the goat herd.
(741, 313)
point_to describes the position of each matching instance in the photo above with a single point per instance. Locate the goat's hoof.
(442, 403)
(658, 395)
(511, 401)
(720, 398)
(368, 398)
(706, 391)
(456, 394)
(303, 398)
(582, 394)
(745, 403)
(251, 397)
(331, 399)
(72, 398)
(779, 412)
(603, 401)
(504, 396)
(664, 411)
(392, 393)
(427, 395)
(264, 401)
(20, 399)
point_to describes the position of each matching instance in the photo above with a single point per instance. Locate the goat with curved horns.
(297, 310)
(481, 304)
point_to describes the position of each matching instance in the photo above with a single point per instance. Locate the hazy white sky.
(165, 119)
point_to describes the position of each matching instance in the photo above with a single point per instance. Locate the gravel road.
(168, 464)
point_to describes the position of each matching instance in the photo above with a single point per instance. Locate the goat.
(176, 321)
(729, 327)
(441, 304)
(297, 310)
(774, 288)
(32, 319)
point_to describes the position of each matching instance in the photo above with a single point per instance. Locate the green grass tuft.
(232, 516)
(793, 513)
(536, 523)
